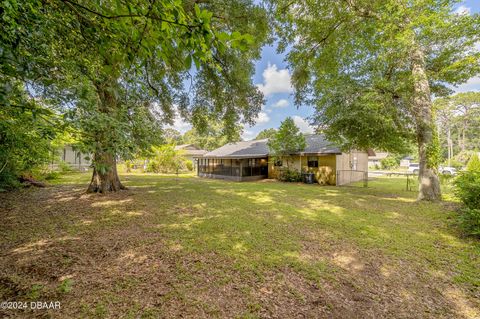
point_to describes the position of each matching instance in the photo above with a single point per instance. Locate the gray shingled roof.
(190, 150)
(316, 144)
(247, 149)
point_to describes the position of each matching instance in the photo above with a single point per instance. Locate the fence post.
(365, 179)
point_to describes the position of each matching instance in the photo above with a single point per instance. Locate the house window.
(278, 163)
(312, 161)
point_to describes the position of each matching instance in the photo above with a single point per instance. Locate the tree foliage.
(119, 71)
(286, 141)
(212, 136)
(458, 119)
(266, 133)
(467, 189)
(172, 136)
(165, 159)
(26, 130)
(370, 67)
(389, 162)
(473, 164)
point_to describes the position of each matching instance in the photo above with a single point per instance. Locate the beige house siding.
(351, 167)
(294, 163)
(344, 164)
(300, 163)
(73, 158)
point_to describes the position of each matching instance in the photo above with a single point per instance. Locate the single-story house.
(72, 157)
(191, 152)
(405, 162)
(252, 160)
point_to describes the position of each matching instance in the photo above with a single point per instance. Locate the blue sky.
(273, 79)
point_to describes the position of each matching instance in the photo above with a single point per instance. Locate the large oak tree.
(120, 70)
(370, 67)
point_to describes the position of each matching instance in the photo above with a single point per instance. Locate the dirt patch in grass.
(202, 249)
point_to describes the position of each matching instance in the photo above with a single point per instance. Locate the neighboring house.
(191, 152)
(74, 158)
(405, 162)
(375, 160)
(252, 160)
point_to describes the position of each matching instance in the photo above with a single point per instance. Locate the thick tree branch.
(120, 16)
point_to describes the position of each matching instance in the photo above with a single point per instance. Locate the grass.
(205, 248)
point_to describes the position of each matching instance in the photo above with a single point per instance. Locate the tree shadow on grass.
(202, 248)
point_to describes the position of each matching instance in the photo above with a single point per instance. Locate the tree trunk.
(105, 177)
(449, 146)
(429, 185)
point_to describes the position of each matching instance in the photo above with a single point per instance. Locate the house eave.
(236, 156)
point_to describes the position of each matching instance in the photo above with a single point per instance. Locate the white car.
(448, 170)
(413, 168)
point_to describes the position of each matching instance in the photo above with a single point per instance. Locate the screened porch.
(233, 168)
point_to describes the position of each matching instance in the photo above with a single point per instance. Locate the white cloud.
(471, 85)
(262, 117)
(275, 81)
(248, 135)
(302, 124)
(281, 103)
(180, 125)
(462, 10)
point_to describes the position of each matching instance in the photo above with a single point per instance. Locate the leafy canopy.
(266, 133)
(459, 116)
(352, 60)
(212, 136)
(120, 71)
(287, 140)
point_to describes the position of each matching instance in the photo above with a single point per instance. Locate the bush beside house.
(166, 159)
(467, 189)
(284, 142)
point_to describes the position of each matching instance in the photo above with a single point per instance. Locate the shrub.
(473, 164)
(165, 159)
(51, 175)
(128, 166)
(467, 189)
(389, 162)
(445, 178)
(189, 165)
(153, 167)
(325, 175)
(64, 167)
(470, 221)
(290, 175)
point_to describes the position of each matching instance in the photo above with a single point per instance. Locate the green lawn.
(205, 248)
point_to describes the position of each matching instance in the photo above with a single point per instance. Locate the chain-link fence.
(352, 178)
